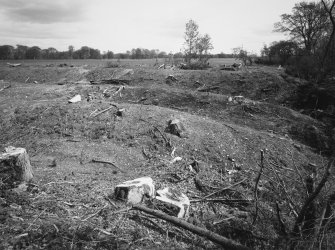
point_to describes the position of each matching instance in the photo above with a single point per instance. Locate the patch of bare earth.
(70, 204)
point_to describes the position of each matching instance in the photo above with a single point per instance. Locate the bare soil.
(71, 205)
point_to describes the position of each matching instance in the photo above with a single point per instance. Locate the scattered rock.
(197, 166)
(175, 127)
(119, 112)
(197, 83)
(51, 162)
(76, 98)
(238, 99)
(176, 159)
(173, 202)
(171, 77)
(15, 167)
(14, 64)
(134, 191)
(155, 102)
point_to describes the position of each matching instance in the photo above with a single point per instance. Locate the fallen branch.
(96, 213)
(226, 188)
(6, 87)
(202, 89)
(223, 200)
(13, 64)
(119, 91)
(105, 110)
(107, 162)
(92, 113)
(225, 124)
(311, 198)
(167, 142)
(223, 241)
(281, 183)
(256, 186)
(61, 182)
(111, 81)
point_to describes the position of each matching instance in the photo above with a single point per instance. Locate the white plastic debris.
(176, 159)
(76, 98)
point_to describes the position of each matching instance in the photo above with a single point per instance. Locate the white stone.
(178, 158)
(172, 196)
(134, 191)
(76, 98)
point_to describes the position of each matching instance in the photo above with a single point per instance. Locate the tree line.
(21, 52)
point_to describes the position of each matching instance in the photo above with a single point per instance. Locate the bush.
(306, 67)
(112, 65)
(195, 66)
(264, 61)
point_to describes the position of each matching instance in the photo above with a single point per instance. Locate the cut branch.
(256, 186)
(108, 162)
(105, 110)
(6, 87)
(226, 188)
(311, 198)
(223, 241)
(111, 81)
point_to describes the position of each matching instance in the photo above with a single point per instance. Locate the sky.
(120, 25)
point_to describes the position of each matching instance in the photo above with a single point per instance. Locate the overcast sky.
(121, 25)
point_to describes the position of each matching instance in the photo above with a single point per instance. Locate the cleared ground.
(71, 205)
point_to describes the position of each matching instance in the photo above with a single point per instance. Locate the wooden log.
(207, 89)
(15, 167)
(223, 241)
(112, 81)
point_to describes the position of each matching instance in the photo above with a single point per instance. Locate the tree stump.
(175, 127)
(134, 191)
(15, 167)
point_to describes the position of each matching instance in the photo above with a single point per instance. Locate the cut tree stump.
(15, 167)
(175, 127)
(134, 191)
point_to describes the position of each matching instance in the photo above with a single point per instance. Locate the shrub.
(304, 67)
(112, 65)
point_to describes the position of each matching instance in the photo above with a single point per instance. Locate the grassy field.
(101, 63)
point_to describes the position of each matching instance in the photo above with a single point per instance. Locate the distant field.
(103, 62)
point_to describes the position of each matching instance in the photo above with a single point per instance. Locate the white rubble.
(76, 98)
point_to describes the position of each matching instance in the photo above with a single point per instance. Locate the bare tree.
(203, 46)
(191, 39)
